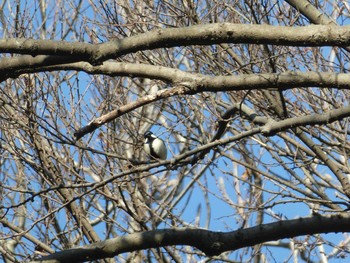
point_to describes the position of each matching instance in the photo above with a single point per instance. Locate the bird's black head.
(148, 134)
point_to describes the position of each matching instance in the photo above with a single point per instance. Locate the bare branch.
(314, 35)
(211, 243)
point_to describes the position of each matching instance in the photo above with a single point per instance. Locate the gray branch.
(208, 34)
(209, 242)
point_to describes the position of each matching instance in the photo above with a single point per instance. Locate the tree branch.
(211, 243)
(208, 34)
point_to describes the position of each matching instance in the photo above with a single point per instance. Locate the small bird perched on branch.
(154, 146)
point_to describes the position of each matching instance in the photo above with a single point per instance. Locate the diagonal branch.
(162, 94)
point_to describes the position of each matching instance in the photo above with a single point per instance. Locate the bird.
(154, 146)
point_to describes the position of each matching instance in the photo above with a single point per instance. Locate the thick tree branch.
(207, 34)
(211, 243)
(313, 14)
(312, 119)
(200, 83)
(196, 82)
(15, 66)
